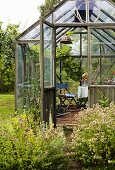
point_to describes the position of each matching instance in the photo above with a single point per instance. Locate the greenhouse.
(90, 24)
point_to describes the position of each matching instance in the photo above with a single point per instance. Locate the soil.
(68, 118)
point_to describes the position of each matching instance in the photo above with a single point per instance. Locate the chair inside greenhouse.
(91, 26)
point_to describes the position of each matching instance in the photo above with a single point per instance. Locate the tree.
(7, 56)
(48, 6)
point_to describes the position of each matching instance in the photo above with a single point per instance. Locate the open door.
(47, 70)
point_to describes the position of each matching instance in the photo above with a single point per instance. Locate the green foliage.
(104, 101)
(70, 66)
(6, 105)
(94, 138)
(7, 57)
(24, 147)
(48, 6)
(27, 145)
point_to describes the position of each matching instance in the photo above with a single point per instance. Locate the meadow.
(7, 105)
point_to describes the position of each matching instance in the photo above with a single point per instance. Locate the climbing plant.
(70, 65)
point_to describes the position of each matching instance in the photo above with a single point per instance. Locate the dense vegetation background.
(7, 57)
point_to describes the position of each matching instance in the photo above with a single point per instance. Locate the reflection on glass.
(65, 13)
(28, 83)
(49, 18)
(102, 52)
(79, 42)
(76, 11)
(32, 34)
(48, 58)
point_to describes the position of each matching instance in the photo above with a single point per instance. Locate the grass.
(7, 105)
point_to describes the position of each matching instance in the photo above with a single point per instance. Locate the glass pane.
(60, 32)
(79, 42)
(106, 38)
(33, 34)
(48, 58)
(102, 52)
(49, 18)
(65, 13)
(84, 43)
(94, 11)
(75, 11)
(28, 83)
(80, 11)
(75, 44)
(103, 11)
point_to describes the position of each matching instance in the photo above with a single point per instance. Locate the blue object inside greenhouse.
(66, 99)
(80, 11)
(81, 4)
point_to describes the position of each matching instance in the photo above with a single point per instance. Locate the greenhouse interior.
(84, 28)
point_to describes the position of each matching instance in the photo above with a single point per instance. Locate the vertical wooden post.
(54, 73)
(16, 76)
(87, 11)
(80, 50)
(89, 61)
(100, 65)
(42, 67)
(89, 55)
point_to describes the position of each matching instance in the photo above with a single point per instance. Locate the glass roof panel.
(33, 34)
(108, 11)
(64, 12)
(99, 11)
(103, 11)
(60, 32)
(49, 18)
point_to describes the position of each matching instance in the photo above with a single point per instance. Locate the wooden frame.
(51, 91)
(46, 92)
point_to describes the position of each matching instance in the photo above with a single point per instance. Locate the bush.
(23, 146)
(94, 139)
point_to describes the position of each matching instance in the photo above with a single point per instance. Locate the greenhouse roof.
(71, 14)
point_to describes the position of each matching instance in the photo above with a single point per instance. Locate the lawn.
(7, 104)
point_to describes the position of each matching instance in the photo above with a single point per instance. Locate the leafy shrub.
(94, 139)
(24, 146)
(7, 56)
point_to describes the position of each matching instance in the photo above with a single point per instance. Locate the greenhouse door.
(47, 71)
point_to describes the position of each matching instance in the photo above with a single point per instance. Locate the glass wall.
(103, 56)
(28, 72)
(48, 57)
